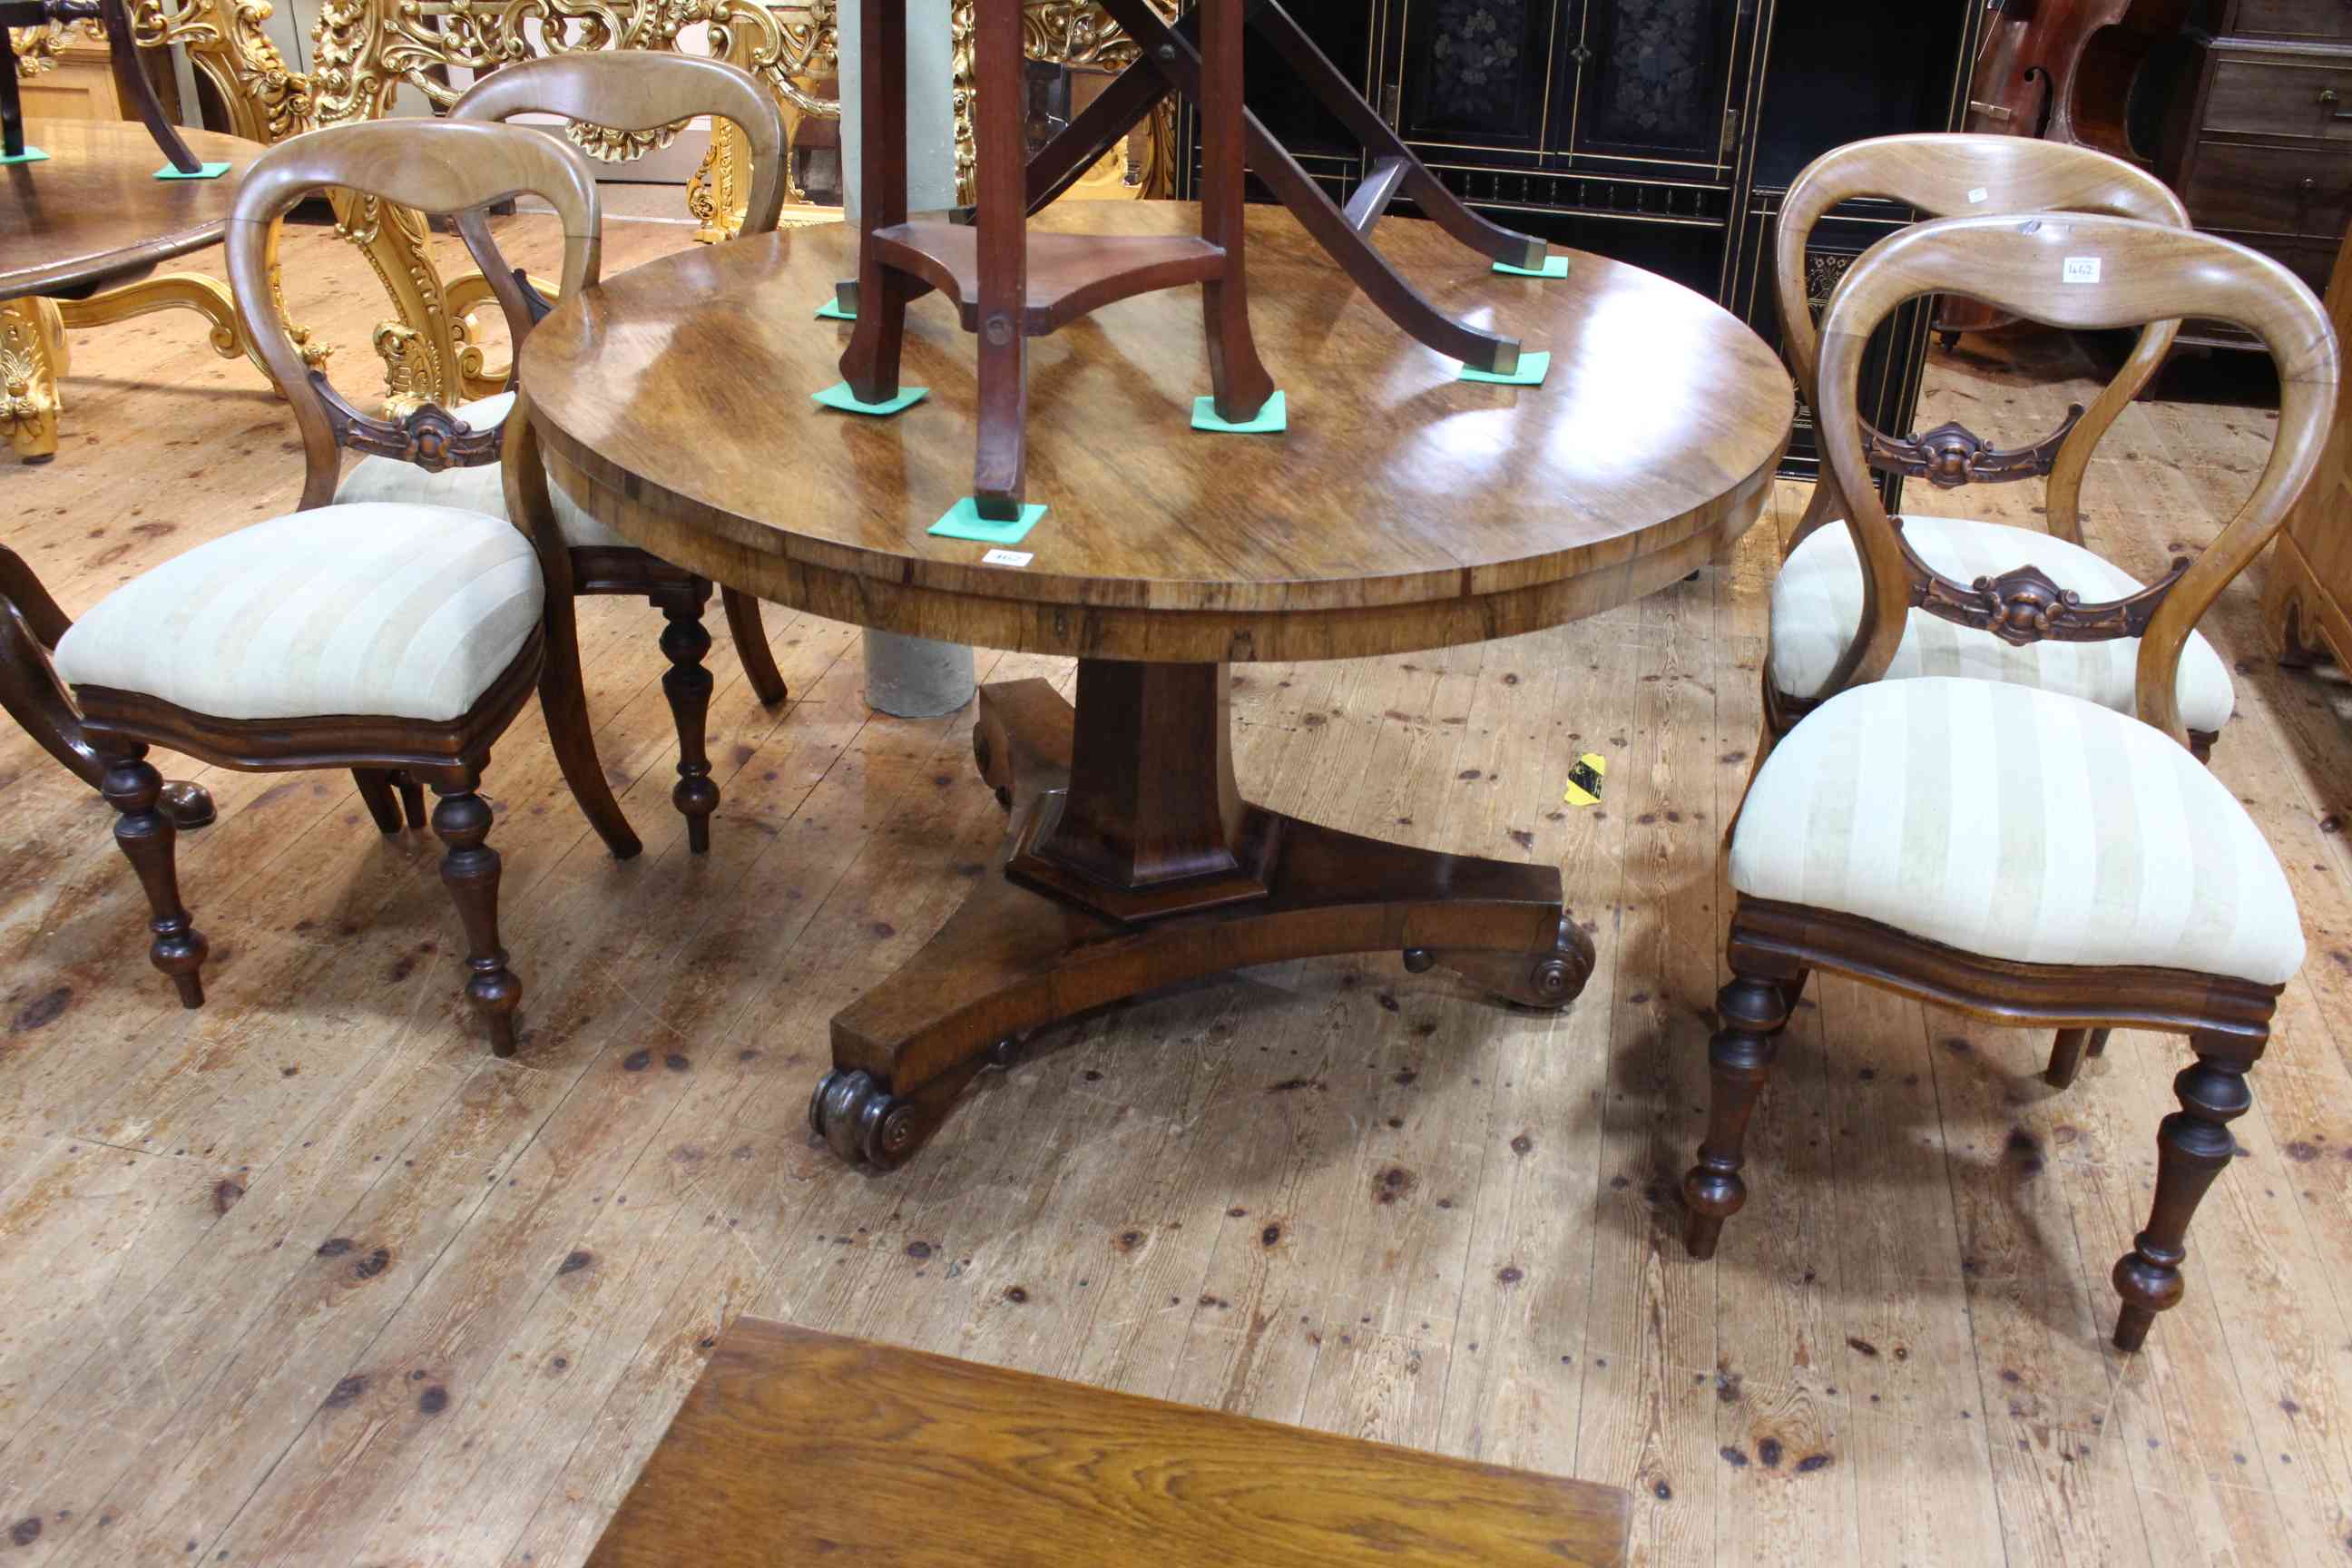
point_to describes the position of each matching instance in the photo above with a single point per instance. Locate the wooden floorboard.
(306, 1278)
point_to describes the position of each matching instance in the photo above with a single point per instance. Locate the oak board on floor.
(307, 1278)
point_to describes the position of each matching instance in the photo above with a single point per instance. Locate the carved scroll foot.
(859, 1121)
(1549, 979)
(207, 297)
(32, 358)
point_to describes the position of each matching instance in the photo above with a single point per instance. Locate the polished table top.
(797, 1447)
(95, 212)
(1403, 507)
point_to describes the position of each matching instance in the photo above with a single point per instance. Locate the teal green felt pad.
(831, 311)
(1553, 267)
(29, 155)
(1529, 374)
(1274, 416)
(201, 172)
(838, 395)
(964, 522)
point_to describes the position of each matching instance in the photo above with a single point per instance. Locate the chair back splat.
(2086, 272)
(441, 167)
(1945, 175)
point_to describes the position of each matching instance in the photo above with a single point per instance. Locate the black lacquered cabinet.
(1538, 84)
(1652, 81)
(1482, 75)
(1662, 132)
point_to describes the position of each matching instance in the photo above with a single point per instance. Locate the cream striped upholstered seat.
(1817, 605)
(481, 488)
(403, 612)
(2018, 825)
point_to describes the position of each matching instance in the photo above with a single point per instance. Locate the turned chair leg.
(752, 646)
(469, 869)
(134, 787)
(2192, 1145)
(2066, 1054)
(1752, 1011)
(411, 798)
(687, 685)
(375, 789)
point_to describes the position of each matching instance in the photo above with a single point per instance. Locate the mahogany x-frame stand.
(1132, 863)
(1170, 62)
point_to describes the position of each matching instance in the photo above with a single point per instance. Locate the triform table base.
(1133, 863)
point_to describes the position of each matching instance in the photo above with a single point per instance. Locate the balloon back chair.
(2016, 853)
(449, 458)
(398, 640)
(1817, 598)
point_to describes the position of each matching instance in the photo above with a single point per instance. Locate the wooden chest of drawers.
(2263, 153)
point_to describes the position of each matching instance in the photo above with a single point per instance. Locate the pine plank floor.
(307, 1278)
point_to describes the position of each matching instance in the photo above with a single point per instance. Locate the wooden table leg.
(1133, 863)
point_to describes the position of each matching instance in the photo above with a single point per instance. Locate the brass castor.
(860, 1119)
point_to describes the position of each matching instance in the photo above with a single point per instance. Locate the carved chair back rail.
(2082, 272)
(1941, 177)
(2212, 933)
(385, 154)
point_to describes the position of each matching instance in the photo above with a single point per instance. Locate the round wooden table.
(1404, 509)
(94, 213)
(90, 216)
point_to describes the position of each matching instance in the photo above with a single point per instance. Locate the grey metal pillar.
(913, 677)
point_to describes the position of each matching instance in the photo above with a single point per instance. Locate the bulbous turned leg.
(469, 869)
(1752, 1012)
(687, 685)
(146, 835)
(2192, 1145)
